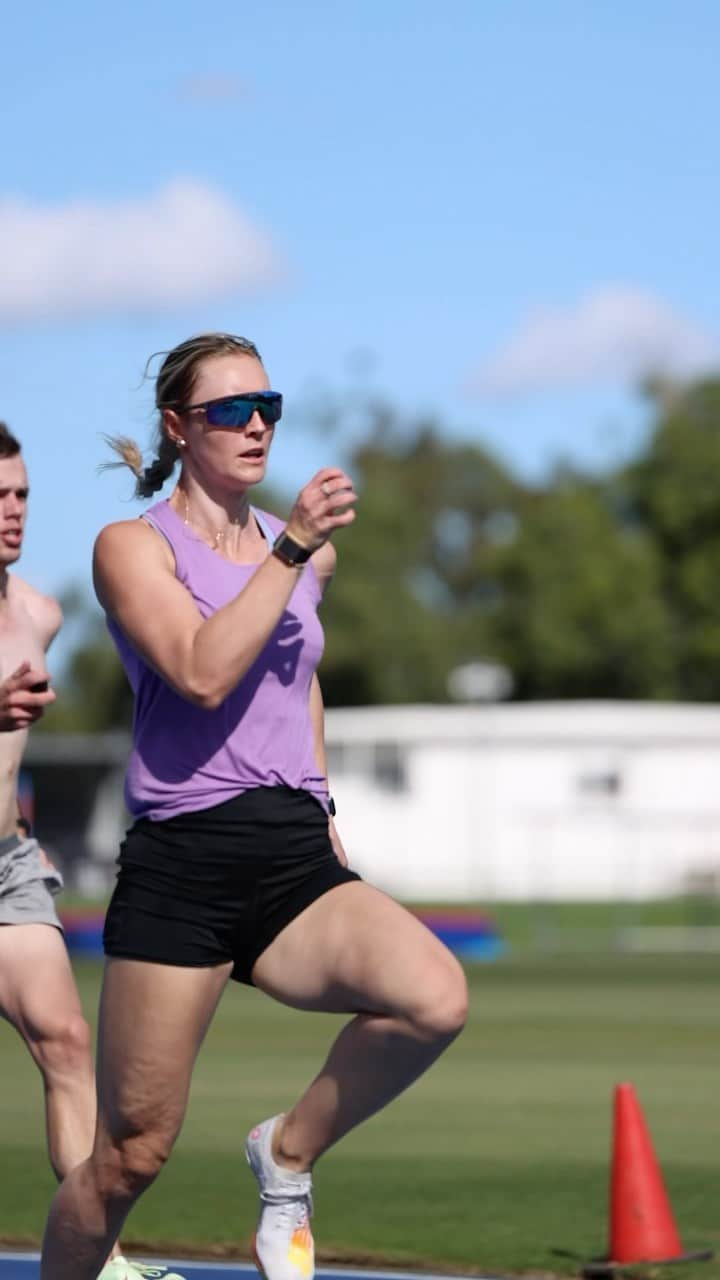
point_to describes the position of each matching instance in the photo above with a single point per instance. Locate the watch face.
(291, 550)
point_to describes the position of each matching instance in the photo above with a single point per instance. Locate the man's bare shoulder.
(44, 610)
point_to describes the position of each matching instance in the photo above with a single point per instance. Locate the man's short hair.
(9, 446)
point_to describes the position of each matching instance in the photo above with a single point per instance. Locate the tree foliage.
(415, 592)
(582, 615)
(674, 491)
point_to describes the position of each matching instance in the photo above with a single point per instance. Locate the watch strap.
(290, 552)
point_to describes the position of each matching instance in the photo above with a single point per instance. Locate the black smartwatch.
(291, 552)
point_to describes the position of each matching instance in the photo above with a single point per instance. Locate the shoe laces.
(294, 1202)
(290, 1215)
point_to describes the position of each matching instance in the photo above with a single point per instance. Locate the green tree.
(414, 593)
(582, 614)
(673, 491)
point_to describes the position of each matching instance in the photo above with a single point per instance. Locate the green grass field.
(498, 1156)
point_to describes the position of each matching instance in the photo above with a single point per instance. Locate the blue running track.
(24, 1266)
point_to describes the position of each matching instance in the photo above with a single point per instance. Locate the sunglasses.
(236, 411)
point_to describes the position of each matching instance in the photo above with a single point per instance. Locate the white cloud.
(615, 334)
(183, 244)
(213, 88)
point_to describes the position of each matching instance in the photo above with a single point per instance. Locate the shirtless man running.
(38, 995)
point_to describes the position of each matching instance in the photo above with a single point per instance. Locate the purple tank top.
(185, 757)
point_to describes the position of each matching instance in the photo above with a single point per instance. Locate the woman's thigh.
(153, 1019)
(355, 950)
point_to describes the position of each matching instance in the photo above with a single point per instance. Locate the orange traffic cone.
(642, 1227)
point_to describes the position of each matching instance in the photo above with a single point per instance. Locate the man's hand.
(23, 697)
(337, 843)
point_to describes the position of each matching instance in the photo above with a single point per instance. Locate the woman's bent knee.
(125, 1168)
(441, 1010)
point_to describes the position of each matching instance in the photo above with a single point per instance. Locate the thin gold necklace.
(218, 538)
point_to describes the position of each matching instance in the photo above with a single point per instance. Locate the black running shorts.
(219, 884)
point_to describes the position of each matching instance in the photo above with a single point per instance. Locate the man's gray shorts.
(27, 883)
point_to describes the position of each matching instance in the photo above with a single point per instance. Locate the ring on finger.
(325, 489)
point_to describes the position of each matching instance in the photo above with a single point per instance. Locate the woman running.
(233, 867)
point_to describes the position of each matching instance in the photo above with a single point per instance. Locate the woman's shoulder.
(159, 516)
(122, 537)
(120, 531)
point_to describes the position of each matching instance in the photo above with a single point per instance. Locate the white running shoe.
(120, 1268)
(284, 1248)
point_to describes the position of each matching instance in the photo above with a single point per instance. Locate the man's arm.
(23, 697)
(25, 694)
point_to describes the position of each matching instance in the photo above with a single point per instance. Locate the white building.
(566, 800)
(531, 801)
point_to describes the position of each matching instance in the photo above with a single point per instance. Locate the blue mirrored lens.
(236, 411)
(270, 407)
(230, 413)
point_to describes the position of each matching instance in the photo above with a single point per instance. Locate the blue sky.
(513, 206)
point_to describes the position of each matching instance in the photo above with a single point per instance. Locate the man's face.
(13, 508)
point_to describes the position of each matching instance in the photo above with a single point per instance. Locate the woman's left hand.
(337, 843)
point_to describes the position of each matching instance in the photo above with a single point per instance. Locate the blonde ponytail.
(147, 479)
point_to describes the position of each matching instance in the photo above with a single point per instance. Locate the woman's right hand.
(325, 504)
